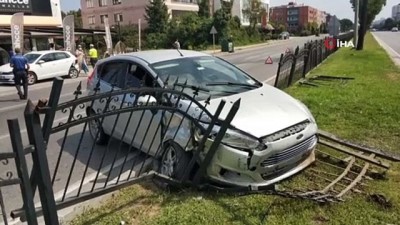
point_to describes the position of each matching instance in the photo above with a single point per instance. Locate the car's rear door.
(112, 77)
(63, 63)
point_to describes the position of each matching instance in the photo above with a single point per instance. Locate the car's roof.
(154, 56)
(45, 52)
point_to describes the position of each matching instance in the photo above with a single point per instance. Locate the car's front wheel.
(73, 73)
(32, 78)
(173, 162)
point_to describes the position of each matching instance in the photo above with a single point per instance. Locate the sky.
(340, 8)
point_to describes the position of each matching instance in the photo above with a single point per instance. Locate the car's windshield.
(31, 57)
(213, 76)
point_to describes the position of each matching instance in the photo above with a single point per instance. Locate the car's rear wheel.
(96, 130)
(32, 78)
(73, 73)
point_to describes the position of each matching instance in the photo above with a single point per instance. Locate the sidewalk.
(390, 51)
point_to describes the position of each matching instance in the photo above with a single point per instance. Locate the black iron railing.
(294, 66)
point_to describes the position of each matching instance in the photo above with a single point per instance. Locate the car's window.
(48, 57)
(32, 57)
(114, 73)
(214, 76)
(61, 55)
(137, 76)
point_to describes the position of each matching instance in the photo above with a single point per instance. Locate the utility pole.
(140, 34)
(357, 11)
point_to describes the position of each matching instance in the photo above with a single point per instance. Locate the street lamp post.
(119, 31)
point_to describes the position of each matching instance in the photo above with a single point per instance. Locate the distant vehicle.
(43, 65)
(373, 29)
(395, 29)
(284, 35)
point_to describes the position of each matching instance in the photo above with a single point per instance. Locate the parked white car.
(43, 65)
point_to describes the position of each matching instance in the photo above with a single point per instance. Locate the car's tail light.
(91, 76)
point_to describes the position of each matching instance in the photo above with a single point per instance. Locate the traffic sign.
(269, 60)
(213, 30)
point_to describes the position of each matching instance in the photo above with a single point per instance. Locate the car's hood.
(6, 68)
(263, 111)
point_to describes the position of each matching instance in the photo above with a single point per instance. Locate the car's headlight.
(237, 140)
(232, 138)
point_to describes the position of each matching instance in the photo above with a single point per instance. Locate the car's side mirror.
(147, 100)
(40, 62)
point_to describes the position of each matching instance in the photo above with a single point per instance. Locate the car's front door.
(46, 66)
(143, 128)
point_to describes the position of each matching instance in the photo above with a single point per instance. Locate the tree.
(77, 17)
(157, 17)
(367, 14)
(389, 24)
(204, 8)
(346, 25)
(254, 11)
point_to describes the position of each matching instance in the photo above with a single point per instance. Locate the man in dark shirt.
(20, 67)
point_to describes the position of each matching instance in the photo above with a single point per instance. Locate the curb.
(394, 56)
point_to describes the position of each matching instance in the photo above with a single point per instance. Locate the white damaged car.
(273, 135)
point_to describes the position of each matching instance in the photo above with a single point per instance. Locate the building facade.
(38, 15)
(295, 17)
(239, 6)
(396, 12)
(127, 11)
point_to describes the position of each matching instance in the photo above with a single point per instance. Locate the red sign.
(330, 43)
(269, 60)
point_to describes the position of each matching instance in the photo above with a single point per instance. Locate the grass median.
(365, 110)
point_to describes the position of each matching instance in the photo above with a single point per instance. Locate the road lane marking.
(54, 122)
(38, 86)
(10, 108)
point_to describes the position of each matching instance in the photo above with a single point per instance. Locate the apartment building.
(239, 6)
(127, 12)
(396, 12)
(294, 16)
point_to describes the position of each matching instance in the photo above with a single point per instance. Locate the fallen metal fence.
(115, 138)
(294, 66)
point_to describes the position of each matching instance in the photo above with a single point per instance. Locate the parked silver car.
(273, 134)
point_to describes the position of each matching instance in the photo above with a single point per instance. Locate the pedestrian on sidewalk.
(20, 69)
(177, 45)
(93, 55)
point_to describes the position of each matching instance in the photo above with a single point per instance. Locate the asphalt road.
(390, 42)
(251, 60)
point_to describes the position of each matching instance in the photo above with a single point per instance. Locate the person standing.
(20, 69)
(93, 55)
(80, 56)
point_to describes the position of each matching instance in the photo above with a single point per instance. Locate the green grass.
(366, 110)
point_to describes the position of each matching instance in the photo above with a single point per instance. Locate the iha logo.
(331, 43)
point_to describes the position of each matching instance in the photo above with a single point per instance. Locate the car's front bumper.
(235, 167)
(6, 79)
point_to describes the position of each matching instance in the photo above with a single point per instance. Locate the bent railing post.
(306, 59)
(41, 165)
(203, 142)
(279, 71)
(22, 170)
(217, 141)
(294, 63)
